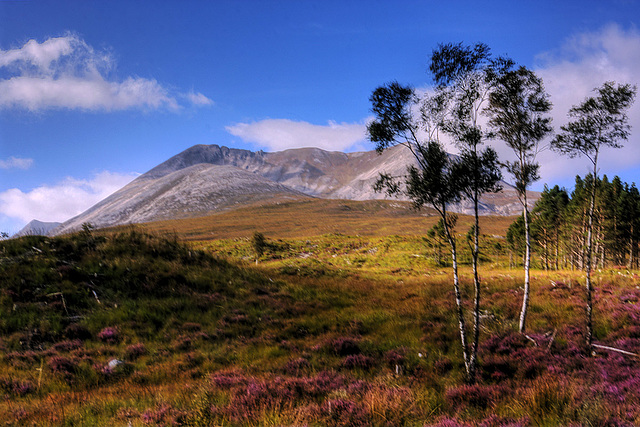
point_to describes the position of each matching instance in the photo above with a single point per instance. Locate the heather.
(132, 328)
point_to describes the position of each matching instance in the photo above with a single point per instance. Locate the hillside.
(35, 228)
(315, 217)
(207, 178)
(127, 328)
(190, 191)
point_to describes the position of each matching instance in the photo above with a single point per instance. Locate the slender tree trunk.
(527, 264)
(557, 249)
(588, 284)
(456, 287)
(583, 239)
(546, 250)
(575, 262)
(600, 243)
(476, 287)
(595, 239)
(618, 254)
(630, 263)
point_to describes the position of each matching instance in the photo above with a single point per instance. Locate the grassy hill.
(345, 320)
(316, 217)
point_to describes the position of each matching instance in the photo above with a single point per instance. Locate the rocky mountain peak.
(208, 178)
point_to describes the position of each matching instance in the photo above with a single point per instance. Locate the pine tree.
(548, 217)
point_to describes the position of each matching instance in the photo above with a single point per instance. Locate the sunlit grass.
(327, 329)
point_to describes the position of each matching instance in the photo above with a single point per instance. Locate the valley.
(312, 214)
(344, 319)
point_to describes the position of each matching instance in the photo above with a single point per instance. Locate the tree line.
(559, 226)
(470, 83)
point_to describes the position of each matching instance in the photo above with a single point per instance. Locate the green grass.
(331, 329)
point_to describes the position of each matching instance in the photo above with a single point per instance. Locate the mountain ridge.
(37, 228)
(204, 179)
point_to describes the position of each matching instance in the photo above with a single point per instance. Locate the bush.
(109, 335)
(134, 351)
(343, 412)
(76, 331)
(477, 396)
(296, 366)
(358, 361)
(16, 387)
(63, 366)
(66, 346)
(344, 346)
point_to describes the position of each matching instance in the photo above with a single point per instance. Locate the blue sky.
(93, 93)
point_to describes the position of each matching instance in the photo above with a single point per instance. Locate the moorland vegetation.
(469, 83)
(127, 326)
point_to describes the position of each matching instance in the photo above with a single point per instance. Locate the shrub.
(343, 412)
(395, 358)
(358, 361)
(109, 335)
(63, 365)
(164, 415)
(182, 343)
(504, 344)
(443, 365)
(67, 346)
(496, 421)
(296, 366)
(513, 356)
(498, 367)
(477, 396)
(191, 327)
(259, 243)
(76, 331)
(134, 351)
(228, 380)
(448, 422)
(344, 346)
(19, 388)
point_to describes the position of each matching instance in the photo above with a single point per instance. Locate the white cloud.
(65, 72)
(61, 201)
(198, 99)
(282, 134)
(16, 163)
(39, 54)
(38, 93)
(571, 73)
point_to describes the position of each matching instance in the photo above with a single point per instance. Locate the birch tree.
(462, 77)
(517, 107)
(433, 181)
(438, 179)
(599, 121)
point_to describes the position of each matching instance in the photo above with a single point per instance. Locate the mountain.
(208, 178)
(312, 171)
(191, 191)
(37, 228)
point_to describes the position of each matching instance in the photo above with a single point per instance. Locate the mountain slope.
(36, 228)
(209, 178)
(316, 172)
(192, 191)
